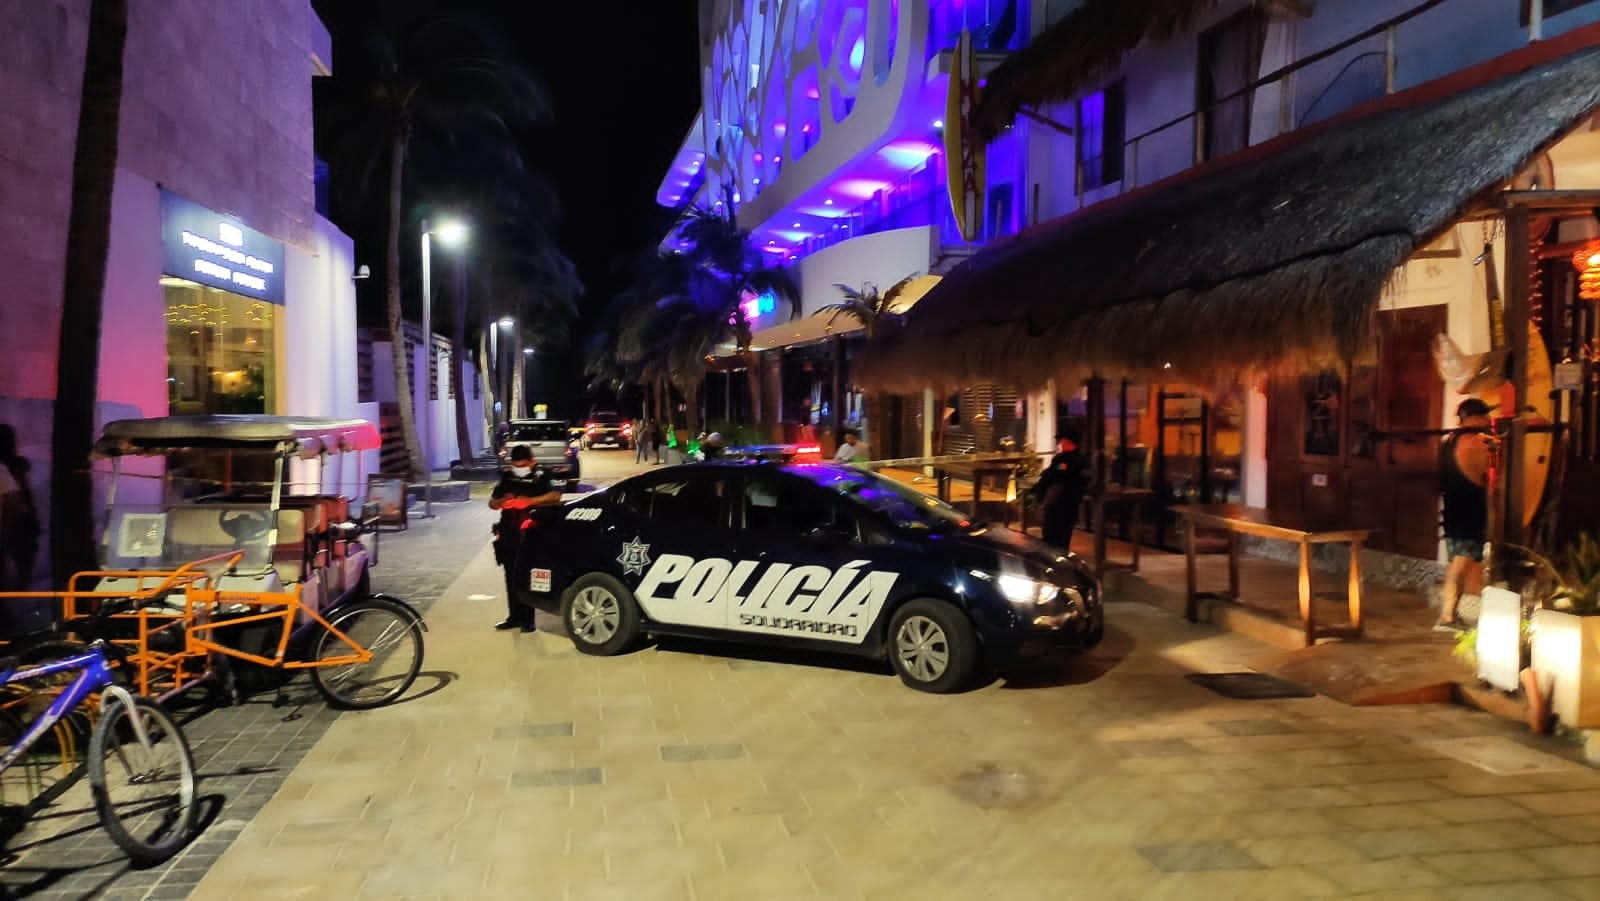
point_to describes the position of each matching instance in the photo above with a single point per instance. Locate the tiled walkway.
(243, 753)
(518, 768)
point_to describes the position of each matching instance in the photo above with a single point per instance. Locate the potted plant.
(1566, 636)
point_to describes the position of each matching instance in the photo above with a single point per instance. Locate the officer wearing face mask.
(520, 489)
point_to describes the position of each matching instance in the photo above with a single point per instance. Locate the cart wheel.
(390, 632)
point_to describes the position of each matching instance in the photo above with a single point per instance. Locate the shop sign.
(208, 247)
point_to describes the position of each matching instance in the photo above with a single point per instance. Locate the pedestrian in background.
(852, 449)
(644, 439)
(1464, 459)
(659, 436)
(521, 488)
(19, 518)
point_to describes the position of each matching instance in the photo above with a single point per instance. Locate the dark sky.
(625, 87)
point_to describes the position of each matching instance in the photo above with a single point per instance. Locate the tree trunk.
(484, 376)
(94, 170)
(397, 324)
(752, 364)
(458, 359)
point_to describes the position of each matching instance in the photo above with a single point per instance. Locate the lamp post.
(451, 233)
(527, 358)
(501, 381)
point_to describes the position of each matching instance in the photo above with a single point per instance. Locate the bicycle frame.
(199, 630)
(94, 674)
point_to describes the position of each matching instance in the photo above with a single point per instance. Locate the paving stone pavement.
(243, 753)
(519, 768)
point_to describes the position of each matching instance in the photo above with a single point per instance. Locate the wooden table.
(977, 471)
(1127, 498)
(1237, 519)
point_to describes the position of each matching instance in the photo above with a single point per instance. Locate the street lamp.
(522, 378)
(452, 234)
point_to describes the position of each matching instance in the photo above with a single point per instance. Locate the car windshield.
(539, 431)
(905, 506)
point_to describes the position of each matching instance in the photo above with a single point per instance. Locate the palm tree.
(719, 247)
(94, 168)
(866, 306)
(511, 257)
(875, 311)
(421, 73)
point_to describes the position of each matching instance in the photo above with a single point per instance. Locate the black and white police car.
(818, 556)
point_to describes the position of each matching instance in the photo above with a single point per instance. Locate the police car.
(819, 556)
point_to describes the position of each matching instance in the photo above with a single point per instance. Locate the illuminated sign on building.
(207, 247)
(759, 305)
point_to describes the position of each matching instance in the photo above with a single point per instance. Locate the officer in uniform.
(521, 488)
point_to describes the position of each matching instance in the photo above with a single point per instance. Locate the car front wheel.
(600, 615)
(932, 647)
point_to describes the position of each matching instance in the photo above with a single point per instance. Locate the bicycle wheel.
(393, 635)
(143, 789)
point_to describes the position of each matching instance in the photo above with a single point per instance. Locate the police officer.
(1061, 488)
(520, 489)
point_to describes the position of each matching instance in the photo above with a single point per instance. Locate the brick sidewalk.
(243, 753)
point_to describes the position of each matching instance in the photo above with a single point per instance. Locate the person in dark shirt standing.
(1465, 456)
(520, 489)
(1061, 488)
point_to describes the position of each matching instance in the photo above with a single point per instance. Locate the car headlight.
(1019, 590)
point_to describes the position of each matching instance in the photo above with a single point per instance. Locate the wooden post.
(1516, 316)
(1307, 616)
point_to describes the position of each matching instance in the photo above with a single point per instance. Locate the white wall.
(318, 357)
(883, 258)
(133, 336)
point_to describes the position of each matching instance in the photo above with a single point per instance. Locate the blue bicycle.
(141, 771)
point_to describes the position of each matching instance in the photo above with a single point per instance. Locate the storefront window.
(219, 350)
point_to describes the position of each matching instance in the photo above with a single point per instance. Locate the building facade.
(226, 290)
(822, 123)
(1171, 162)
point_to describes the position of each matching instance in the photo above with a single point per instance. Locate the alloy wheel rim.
(595, 615)
(923, 650)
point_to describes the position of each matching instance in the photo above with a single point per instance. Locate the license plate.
(539, 580)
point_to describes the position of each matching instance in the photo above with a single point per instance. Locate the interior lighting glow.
(938, 123)
(858, 53)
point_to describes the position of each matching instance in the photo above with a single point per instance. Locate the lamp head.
(451, 233)
(507, 322)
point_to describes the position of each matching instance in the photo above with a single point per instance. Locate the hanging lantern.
(1587, 261)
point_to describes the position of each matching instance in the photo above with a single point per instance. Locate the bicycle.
(135, 744)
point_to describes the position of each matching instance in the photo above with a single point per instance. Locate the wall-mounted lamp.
(362, 272)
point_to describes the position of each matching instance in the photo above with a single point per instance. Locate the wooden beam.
(1576, 200)
(1046, 121)
(1518, 239)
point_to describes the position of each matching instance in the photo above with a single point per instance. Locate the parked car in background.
(553, 448)
(605, 429)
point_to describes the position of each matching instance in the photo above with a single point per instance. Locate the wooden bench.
(1237, 520)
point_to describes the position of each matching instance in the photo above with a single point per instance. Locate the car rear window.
(539, 431)
(607, 418)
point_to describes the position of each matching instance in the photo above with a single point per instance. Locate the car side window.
(692, 502)
(788, 507)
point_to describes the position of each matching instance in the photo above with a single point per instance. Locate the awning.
(301, 436)
(1274, 258)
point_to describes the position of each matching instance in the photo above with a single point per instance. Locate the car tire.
(932, 646)
(601, 615)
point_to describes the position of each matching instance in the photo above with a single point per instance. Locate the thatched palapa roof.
(1086, 43)
(1274, 258)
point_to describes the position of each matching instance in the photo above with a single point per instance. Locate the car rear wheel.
(600, 615)
(932, 647)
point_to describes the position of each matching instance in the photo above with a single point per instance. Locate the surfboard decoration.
(963, 152)
(1490, 383)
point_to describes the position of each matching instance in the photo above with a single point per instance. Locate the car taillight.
(627, 428)
(808, 449)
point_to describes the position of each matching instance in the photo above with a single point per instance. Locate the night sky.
(624, 86)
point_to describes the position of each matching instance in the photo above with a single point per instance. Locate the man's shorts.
(1464, 547)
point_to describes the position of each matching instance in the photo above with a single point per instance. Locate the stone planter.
(1566, 655)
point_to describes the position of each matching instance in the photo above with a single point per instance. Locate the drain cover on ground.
(1251, 686)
